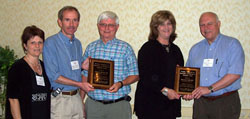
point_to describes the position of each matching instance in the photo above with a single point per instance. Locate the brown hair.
(159, 18)
(30, 32)
(69, 8)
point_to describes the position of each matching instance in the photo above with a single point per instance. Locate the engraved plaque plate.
(101, 73)
(186, 79)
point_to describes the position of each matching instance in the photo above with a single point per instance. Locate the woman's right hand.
(171, 94)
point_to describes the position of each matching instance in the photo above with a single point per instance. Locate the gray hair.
(108, 15)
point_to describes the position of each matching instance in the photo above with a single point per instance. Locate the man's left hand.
(200, 91)
(114, 88)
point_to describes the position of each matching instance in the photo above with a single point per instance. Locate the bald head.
(211, 14)
(209, 26)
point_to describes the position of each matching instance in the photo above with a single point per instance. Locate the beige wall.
(134, 24)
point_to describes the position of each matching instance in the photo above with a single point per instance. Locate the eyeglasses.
(107, 25)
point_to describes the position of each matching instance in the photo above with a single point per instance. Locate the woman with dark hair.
(28, 88)
(157, 61)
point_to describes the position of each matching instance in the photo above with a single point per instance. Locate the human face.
(209, 26)
(69, 23)
(34, 46)
(165, 30)
(107, 29)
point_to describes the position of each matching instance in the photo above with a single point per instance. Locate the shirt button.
(206, 79)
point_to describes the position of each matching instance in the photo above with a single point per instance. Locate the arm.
(129, 80)
(15, 108)
(86, 86)
(66, 81)
(14, 87)
(227, 80)
(131, 65)
(172, 94)
(236, 60)
(149, 68)
(85, 64)
(52, 62)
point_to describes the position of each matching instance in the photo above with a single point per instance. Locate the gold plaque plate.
(101, 73)
(186, 79)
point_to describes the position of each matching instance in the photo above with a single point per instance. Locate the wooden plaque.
(101, 73)
(186, 79)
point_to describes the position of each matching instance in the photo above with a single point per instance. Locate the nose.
(70, 23)
(106, 27)
(37, 44)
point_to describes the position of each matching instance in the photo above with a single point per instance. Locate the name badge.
(208, 62)
(40, 81)
(74, 65)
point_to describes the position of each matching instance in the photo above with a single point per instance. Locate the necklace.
(167, 47)
(35, 67)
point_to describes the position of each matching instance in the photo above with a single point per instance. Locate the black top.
(157, 67)
(22, 85)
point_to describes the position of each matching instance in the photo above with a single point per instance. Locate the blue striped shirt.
(125, 64)
(228, 56)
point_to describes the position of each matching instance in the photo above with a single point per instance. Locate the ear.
(25, 47)
(59, 22)
(219, 24)
(117, 26)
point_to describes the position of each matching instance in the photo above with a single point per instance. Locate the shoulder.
(229, 40)
(150, 47)
(199, 45)
(175, 46)
(77, 41)
(52, 39)
(19, 62)
(150, 44)
(122, 43)
(18, 65)
(93, 44)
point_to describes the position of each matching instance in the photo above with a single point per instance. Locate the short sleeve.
(13, 85)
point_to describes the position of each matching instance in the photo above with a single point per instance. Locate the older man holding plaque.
(221, 62)
(113, 102)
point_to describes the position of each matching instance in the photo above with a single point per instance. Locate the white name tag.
(40, 81)
(74, 65)
(208, 62)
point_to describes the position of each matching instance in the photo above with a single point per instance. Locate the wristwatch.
(165, 92)
(211, 89)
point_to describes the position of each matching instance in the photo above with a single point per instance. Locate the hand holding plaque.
(186, 79)
(101, 73)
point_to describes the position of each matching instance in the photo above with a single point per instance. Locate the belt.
(127, 98)
(212, 98)
(70, 93)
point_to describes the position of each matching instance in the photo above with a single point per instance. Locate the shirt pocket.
(221, 68)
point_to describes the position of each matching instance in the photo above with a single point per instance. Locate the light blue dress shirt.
(125, 64)
(58, 52)
(228, 58)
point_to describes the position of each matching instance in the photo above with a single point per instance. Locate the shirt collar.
(215, 41)
(109, 42)
(65, 39)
